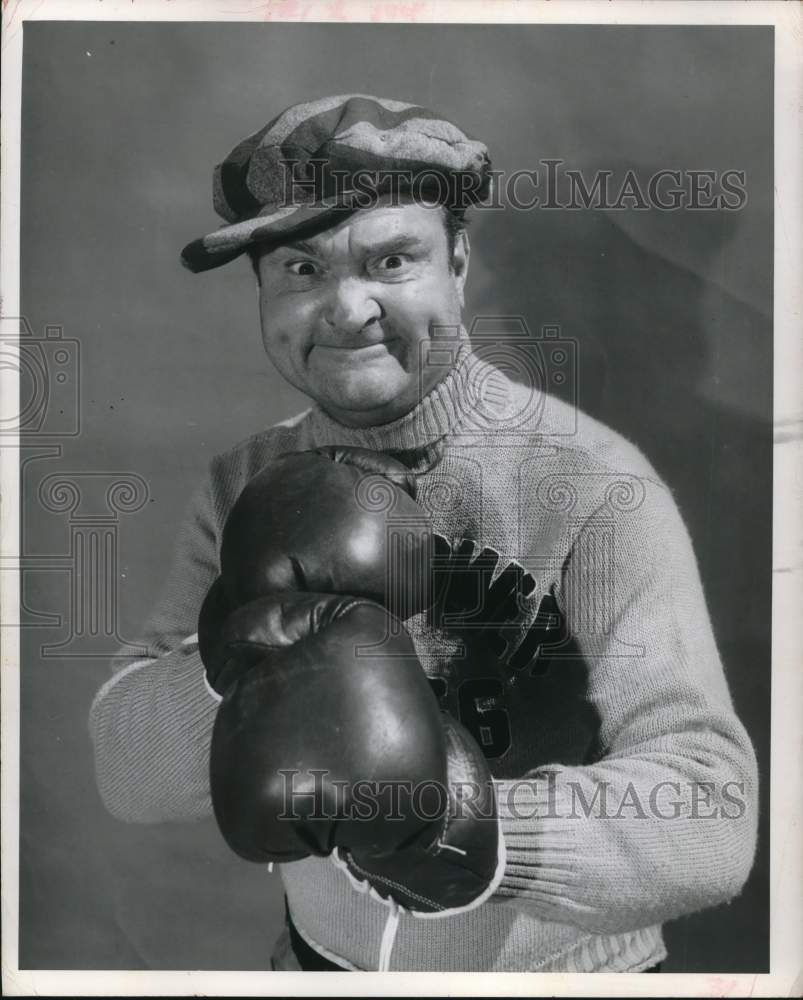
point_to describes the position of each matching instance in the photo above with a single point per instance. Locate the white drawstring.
(388, 937)
(451, 847)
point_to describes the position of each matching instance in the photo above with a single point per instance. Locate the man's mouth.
(363, 349)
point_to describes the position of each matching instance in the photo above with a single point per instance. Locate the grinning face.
(343, 313)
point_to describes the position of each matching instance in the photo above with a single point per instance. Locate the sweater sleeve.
(151, 722)
(663, 821)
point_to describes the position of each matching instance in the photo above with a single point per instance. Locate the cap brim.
(274, 226)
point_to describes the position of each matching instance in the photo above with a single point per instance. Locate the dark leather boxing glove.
(327, 720)
(452, 867)
(333, 521)
(221, 665)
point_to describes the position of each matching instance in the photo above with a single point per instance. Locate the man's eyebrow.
(401, 241)
(301, 246)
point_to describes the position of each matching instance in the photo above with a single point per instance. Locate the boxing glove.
(507, 629)
(331, 520)
(451, 867)
(335, 521)
(327, 727)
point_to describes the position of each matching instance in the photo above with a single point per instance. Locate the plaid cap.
(321, 159)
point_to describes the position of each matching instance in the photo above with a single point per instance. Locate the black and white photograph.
(404, 567)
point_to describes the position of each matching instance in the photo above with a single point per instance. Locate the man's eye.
(393, 262)
(304, 268)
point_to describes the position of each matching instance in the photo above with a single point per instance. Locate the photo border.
(786, 776)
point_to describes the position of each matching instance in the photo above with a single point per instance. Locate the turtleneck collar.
(437, 415)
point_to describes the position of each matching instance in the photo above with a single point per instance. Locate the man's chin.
(365, 403)
(373, 401)
(364, 386)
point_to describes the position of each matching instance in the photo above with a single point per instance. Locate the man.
(624, 784)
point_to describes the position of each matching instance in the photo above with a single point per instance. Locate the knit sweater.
(626, 786)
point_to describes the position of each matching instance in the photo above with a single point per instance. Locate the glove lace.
(389, 937)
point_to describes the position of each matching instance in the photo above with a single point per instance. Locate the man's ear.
(462, 253)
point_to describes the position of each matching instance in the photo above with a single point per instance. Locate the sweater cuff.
(540, 834)
(151, 725)
(191, 645)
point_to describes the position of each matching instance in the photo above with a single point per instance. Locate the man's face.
(343, 313)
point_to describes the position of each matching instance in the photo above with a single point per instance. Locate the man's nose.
(351, 306)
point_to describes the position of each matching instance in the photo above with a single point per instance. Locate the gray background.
(671, 312)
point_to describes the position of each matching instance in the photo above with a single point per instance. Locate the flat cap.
(336, 155)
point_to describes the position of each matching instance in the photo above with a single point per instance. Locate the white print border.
(786, 975)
